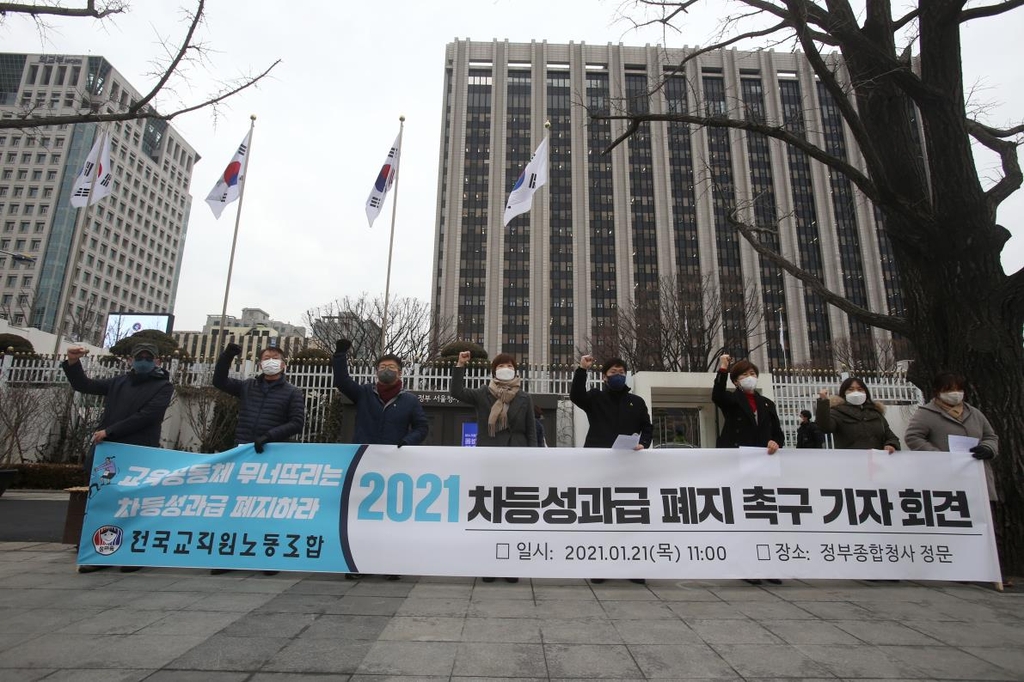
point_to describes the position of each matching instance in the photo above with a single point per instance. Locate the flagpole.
(234, 239)
(75, 255)
(391, 242)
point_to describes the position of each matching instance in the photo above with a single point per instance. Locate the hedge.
(49, 476)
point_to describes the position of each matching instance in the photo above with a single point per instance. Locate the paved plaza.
(174, 625)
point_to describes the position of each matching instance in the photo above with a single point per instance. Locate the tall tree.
(95, 107)
(896, 77)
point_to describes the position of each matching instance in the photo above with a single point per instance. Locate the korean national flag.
(96, 178)
(229, 185)
(533, 176)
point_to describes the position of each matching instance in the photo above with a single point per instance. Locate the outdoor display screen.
(120, 325)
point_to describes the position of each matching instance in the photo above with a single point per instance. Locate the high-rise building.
(131, 247)
(623, 230)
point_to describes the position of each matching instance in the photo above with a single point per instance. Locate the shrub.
(35, 476)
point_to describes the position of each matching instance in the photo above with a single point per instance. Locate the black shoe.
(130, 569)
(597, 581)
(219, 571)
(511, 580)
(638, 581)
(752, 581)
(270, 572)
(774, 581)
(91, 569)
(353, 576)
(392, 577)
(487, 580)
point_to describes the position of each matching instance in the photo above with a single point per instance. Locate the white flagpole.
(234, 240)
(75, 254)
(391, 242)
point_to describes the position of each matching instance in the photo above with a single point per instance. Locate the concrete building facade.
(132, 246)
(650, 218)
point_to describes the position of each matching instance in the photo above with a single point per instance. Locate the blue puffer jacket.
(401, 420)
(274, 409)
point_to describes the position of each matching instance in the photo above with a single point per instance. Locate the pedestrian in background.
(808, 435)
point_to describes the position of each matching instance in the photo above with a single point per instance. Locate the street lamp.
(19, 257)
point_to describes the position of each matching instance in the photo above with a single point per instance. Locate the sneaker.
(392, 577)
(91, 569)
(752, 581)
(130, 569)
(638, 581)
(774, 581)
(270, 572)
(487, 580)
(511, 580)
(353, 576)
(597, 581)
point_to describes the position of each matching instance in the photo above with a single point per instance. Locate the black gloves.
(232, 350)
(982, 452)
(259, 443)
(342, 346)
(402, 442)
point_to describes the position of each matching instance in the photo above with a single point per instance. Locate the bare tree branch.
(989, 10)
(1007, 151)
(90, 9)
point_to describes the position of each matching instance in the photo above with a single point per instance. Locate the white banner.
(675, 513)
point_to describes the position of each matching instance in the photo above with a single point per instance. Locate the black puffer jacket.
(611, 413)
(274, 409)
(134, 409)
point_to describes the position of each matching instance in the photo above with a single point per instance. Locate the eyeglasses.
(392, 366)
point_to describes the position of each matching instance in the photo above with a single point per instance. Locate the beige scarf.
(503, 392)
(954, 411)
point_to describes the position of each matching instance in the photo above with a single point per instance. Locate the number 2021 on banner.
(399, 497)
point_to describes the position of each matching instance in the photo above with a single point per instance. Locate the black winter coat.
(134, 409)
(274, 409)
(611, 413)
(740, 427)
(402, 420)
(808, 435)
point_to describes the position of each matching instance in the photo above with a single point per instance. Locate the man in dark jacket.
(386, 413)
(808, 435)
(270, 409)
(133, 411)
(611, 410)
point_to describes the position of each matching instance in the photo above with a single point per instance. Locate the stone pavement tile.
(197, 676)
(236, 603)
(1010, 658)
(500, 660)
(39, 598)
(681, 661)
(96, 675)
(118, 621)
(25, 674)
(617, 610)
(262, 624)
(399, 678)
(366, 606)
(300, 677)
(971, 634)
(731, 632)
(509, 630)
(656, 632)
(345, 628)
(221, 652)
(591, 661)
(500, 589)
(98, 651)
(459, 678)
(503, 608)
(703, 609)
(166, 601)
(147, 580)
(578, 631)
(742, 592)
(836, 610)
(424, 590)
(883, 632)
(773, 611)
(28, 620)
(318, 656)
(8, 641)
(452, 608)
(857, 661)
(809, 632)
(378, 587)
(333, 587)
(409, 658)
(615, 590)
(1008, 612)
(299, 603)
(681, 591)
(769, 660)
(190, 623)
(905, 611)
(559, 608)
(423, 629)
(947, 663)
(564, 592)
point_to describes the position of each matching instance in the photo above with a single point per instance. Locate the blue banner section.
(280, 510)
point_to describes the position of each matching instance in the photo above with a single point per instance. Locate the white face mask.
(504, 374)
(271, 366)
(856, 397)
(953, 398)
(748, 383)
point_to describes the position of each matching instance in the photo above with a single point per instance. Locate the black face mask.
(387, 376)
(617, 382)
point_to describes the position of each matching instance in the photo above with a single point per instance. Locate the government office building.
(133, 244)
(608, 229)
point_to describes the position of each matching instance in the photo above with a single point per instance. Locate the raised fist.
(723, 362)
(76, 353)
(823, 394)
(342, 346)
(587, 361)
(464, 357)
(232, 350)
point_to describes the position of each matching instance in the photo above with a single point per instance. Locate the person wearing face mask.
(133, 411)
(270, 408)
(855, 421)
(386, 413)
(749, 419)
(504, 412)
(611, 410)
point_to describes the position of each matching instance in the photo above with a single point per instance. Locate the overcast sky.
(329, 113)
